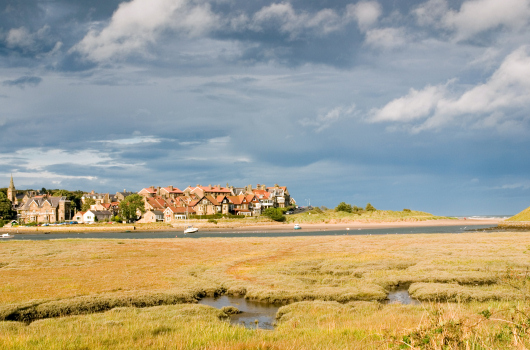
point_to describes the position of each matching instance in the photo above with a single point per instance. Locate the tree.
(343, 207)
(275, 214)
(87, 204)
(130, 205)
(370, 207)
(6, 207)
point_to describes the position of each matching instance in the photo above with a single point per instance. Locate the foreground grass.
(340, 268)
(305, 325)
(333, 217)
(331, 283)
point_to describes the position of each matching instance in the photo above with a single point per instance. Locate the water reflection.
(251, 311)
(401, 296)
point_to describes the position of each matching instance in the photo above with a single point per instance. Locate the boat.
(191, 229)
(6, 235)
(297, 227)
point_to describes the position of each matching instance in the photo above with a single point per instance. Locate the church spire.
(12, 192)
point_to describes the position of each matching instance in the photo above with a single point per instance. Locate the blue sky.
(410, 104)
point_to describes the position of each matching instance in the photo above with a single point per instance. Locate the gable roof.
(181, 210)
(169, 190)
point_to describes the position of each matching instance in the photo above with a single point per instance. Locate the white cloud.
(292, 22)
(133, 140)
(139, 23)
(415, 105)
(386, 38)
(474, 16)
(37, 158)
(325, 119)
(24, 39)
(366, 13)
(431, 12)
(483, 106)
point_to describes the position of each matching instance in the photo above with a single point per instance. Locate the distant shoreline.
(266, 226)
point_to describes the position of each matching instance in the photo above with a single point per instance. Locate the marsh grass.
(303, 325)
(334, 217)
(77, 276)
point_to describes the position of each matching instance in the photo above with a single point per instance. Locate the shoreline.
(266, 226)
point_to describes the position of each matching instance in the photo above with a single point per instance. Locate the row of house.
(161, 203)
(170, 203)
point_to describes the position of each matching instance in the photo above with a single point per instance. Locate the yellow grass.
(305, 325)
(75, 276)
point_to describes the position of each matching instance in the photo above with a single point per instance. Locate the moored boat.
(6, 235)
(191, 229)
(297, 227)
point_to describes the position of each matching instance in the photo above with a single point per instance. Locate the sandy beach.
(368, 225)
(263, 226)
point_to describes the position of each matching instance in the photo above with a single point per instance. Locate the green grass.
(522, 216)
(304, 325)
(334, 217)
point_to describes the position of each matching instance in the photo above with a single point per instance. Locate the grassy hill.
(330, 216)
(522, 216)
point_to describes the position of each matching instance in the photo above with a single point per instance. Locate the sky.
(404, 104)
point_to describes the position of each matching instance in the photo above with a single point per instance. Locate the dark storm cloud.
(23, 81)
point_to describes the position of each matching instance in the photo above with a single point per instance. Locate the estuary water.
(257, 233)
(263, 315)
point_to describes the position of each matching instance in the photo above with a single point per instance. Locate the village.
(160, 204)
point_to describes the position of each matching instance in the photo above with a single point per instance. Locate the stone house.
(172, 214)
(152, 216)
(45, 209)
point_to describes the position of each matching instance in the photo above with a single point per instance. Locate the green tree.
(130, 205)
(87, 204)
(73, 196)
(6, 207)
(275, 214)
(370, 207)
(344, 207)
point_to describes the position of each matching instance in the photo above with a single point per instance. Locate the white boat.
(297, 227)
(6, 235)
(191, 229)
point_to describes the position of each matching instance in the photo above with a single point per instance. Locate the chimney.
(92, 192)
(198, 185)
(210, 186)
(124, 190)
(152, 187)
(171, 188)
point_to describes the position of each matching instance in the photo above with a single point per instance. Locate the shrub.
(2, 223)
(117, 218)
(316, 210)
(275, 214)
(213, 221)
(370, 207)
(407, 210)
(323, 208)
(344, 207)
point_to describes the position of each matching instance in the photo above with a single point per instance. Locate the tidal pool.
(401, 296)
(251, 311)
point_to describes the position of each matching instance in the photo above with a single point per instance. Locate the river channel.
(263, 315)
(257, 233)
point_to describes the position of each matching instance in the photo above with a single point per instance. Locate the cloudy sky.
(404, 104)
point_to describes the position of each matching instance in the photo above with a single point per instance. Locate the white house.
(96, 215)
